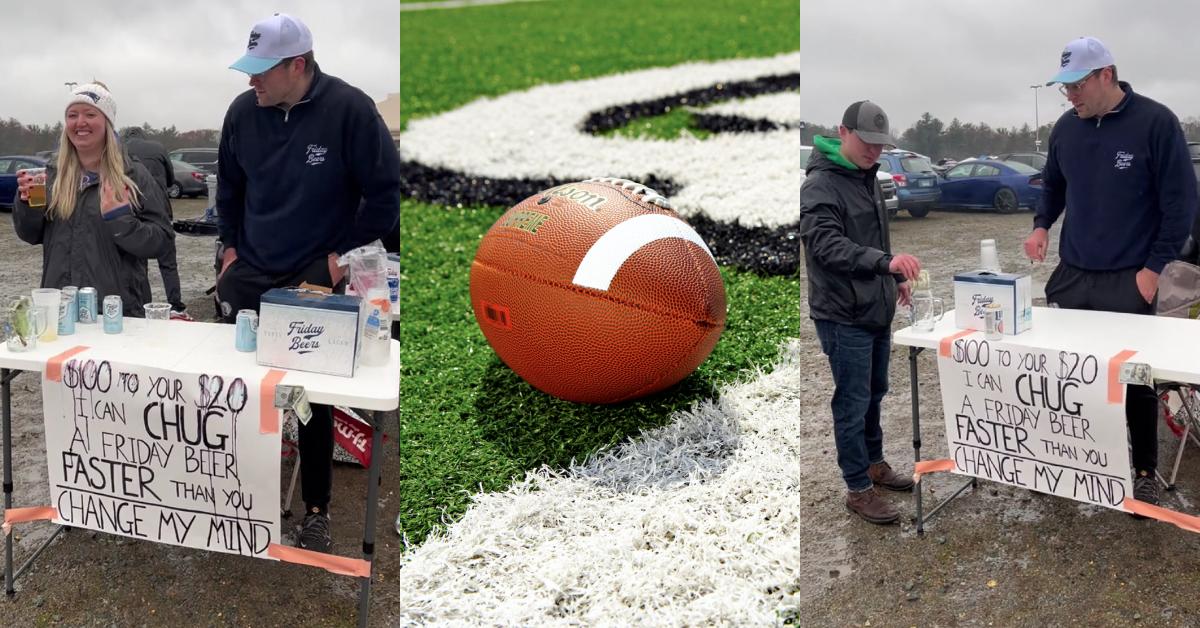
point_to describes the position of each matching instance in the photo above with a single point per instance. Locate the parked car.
(1194, 152)
(9, 166)
(202, 158)
(885, 190)
(1005, 186)
(189, 181)
(1033, 160)
(916, 181)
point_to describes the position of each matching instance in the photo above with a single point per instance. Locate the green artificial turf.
(451, 57)
(468, 423)
(667, 126)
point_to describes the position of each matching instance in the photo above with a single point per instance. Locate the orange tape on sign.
(23, 515)
(1186, 522)
(948, 341)
(340, 565)
(268, 414)
(54, 365)
(1116, 390)
(931, 466)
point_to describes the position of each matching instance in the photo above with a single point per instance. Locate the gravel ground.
(86, 578)
(997, 555)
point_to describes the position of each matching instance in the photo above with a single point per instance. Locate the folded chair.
(1179, 296)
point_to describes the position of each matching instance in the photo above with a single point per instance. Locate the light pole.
(1037, 141)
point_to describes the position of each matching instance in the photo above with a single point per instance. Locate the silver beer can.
(246, 334)
(114, 318)
(73, 291)
(993, 321)
(66, 314)
(87, 305)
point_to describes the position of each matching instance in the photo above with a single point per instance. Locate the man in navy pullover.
(1120, 161)
(306, 171)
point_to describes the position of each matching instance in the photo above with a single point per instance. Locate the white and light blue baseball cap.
(272, 40)
(1079, 58)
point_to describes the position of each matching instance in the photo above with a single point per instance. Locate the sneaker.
(1145, 489)
(181, 315)
(314, 533)
(883, 476)
(871, 507)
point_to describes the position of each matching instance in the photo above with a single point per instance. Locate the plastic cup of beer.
(48, 300)
(37, 190)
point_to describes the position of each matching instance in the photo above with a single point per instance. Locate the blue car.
(1004, 186)
(9, 165)
(916, 181)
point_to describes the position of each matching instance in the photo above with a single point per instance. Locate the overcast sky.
(975, 60)
(166, 61)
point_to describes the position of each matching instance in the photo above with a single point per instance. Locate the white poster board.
(1036, 419)
(162, 456)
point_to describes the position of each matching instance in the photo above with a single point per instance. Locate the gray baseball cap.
(869, 122)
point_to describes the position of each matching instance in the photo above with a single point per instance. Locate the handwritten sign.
(163, 456)
(1035, 419)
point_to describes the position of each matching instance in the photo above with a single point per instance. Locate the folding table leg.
(364, 593)
(6, 403)
(913, 352)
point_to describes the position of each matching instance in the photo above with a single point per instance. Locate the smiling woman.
(98, 202)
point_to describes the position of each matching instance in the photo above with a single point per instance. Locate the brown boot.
(883, 476)
(870, 506)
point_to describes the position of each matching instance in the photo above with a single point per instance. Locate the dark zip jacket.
(108, 254)
(1128, 180)
(847, 248)
(295, 185)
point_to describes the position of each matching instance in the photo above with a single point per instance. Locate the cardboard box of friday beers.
(308, 330)
(975, 290)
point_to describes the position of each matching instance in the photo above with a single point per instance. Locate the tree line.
(28, 139)
(958, 140)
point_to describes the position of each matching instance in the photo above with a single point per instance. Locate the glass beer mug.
(22, 323)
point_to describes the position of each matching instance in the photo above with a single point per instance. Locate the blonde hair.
(70, 174)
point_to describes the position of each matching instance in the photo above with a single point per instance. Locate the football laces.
(648, 195)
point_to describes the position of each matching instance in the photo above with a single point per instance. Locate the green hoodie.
(832, 148)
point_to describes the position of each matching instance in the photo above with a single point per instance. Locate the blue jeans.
(859, 359)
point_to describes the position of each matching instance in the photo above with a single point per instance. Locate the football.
(597, 292)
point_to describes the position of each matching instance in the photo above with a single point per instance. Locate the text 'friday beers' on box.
(975, 291)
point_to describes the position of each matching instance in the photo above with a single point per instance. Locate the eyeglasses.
(1069, 88)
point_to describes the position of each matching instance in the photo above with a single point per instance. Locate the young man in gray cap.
(1120, 161)
(306, 171)
(854, 283)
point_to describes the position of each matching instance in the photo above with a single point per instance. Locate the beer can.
(114, 318)
(246, 338)
(87, 305)
(73, 291)
(66, 315)
(993, 321)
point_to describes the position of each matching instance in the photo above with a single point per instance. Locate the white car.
(886, 190)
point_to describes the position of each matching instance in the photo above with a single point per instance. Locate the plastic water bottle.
(376, 329)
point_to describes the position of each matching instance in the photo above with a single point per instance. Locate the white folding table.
(190, 348)
(1171, 346)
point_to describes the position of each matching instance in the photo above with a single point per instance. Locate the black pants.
(240, 288)
(1114, 291)
(168, 267)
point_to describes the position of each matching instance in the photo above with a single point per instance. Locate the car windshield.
(916, 164)
(1021, 168)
